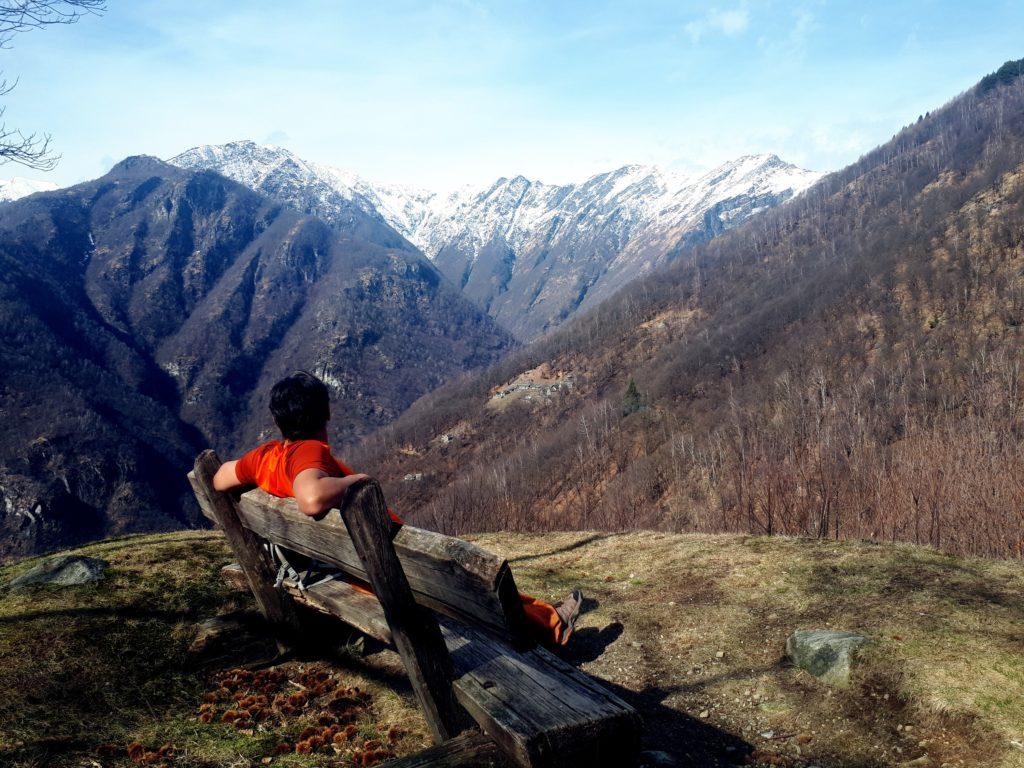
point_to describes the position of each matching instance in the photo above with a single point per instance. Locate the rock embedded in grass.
(827, 654)
(63, 571)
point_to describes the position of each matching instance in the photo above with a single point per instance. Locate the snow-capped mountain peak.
(531, 253)
(277, 171)
(18, 187)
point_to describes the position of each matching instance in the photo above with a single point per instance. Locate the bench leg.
(275, 605)
(414, 629)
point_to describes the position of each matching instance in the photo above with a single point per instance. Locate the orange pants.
(544, 620)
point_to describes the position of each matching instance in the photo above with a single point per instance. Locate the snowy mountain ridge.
(531, 253)
(19, 187)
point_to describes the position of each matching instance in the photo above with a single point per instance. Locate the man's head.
(301, 407)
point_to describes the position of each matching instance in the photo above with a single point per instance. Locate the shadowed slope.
(148, 313)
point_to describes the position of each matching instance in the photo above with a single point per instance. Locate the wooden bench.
(450, 609)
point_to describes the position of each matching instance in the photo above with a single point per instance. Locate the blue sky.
(443, 93)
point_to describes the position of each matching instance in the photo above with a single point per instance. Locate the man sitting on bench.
(302, 466)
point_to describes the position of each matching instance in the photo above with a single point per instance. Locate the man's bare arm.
(226, 478)
(316, 492)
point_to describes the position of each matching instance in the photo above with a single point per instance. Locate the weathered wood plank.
(414, 628)
(274, 604)
(540, 710)
(468, 750)
(451, 576)
(518, 629)
(342, 600)
(200, 494)
(339, 598)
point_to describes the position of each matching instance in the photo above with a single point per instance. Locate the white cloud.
(278, 138)
(731, 23)
(793, 45)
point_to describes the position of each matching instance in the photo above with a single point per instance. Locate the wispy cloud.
(731, 23)
(793, 45)
(462, 91)
(277, 137)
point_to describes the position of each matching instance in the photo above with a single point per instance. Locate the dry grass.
(107, 664)
(87, 671)
(947, 657)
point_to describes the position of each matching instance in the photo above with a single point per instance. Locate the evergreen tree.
(632, 401)
(1007, 73)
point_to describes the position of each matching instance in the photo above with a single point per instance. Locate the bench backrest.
(449, 575)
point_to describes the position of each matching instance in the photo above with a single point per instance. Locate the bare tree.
(33, 149)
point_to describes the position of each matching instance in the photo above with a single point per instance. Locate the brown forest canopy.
(848, 364)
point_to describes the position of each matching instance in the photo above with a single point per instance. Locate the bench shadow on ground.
(692, 742)
(689, 740)
(567, 548)
(120, 612)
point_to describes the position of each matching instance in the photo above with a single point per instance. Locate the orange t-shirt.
(274, 465)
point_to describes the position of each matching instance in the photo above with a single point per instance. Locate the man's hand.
(316, 492)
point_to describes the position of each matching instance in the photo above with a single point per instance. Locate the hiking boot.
(568, 611)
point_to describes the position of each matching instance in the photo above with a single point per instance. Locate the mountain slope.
(535, 254)
(147, 313)
(320, 191)
(531, 254)
(847, 365)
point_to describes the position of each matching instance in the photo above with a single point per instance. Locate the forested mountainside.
(531, 254)
(846, 365)
(146, 314)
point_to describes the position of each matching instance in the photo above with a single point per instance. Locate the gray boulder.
(64, 571)
(825, 653)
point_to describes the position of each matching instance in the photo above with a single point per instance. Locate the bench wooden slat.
(339, 598)
(451, 576)
(252, 558)
(539, 709)
(468, 750)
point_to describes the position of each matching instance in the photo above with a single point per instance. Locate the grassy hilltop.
(689, 628)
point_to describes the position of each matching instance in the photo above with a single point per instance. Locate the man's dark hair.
(300, 405)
